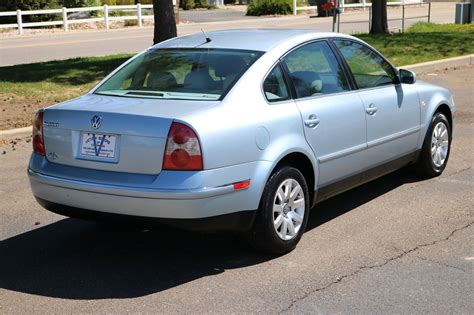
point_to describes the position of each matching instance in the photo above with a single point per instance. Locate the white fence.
(362, 4)
(65, 22)
(139, 16)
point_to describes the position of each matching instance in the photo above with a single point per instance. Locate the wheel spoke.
(287, 187)
(298, 204)
(440, 129)
(438, 158)
(443, 132)
(296, 217)
(284, 229)
(278, 221)
(291, 228)
(294, 193)
(278, 209)
(281, 195)
(443, 154)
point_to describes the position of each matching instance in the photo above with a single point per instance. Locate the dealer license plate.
(98, 145)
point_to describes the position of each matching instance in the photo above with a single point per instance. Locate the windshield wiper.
(145, 93)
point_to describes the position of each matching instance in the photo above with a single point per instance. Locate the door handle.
(371, 110)
(312, 121)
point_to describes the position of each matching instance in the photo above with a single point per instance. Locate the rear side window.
(275, 87)
(314, 70)
(368, 67)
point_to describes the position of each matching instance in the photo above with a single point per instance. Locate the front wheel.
(436, 147)
(283, 212)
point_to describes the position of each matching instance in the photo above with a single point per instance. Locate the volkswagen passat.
(237, 130)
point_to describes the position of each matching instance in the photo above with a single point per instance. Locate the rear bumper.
(170, 195)
(132, 192)
(237, 221)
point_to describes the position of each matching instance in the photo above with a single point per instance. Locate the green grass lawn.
(424, 42)
(37, 85)
(55, 81)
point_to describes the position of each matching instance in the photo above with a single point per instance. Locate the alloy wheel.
(288, 209)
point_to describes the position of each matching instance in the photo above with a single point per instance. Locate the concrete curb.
(419, 68)
(431, 66)
(16, 132)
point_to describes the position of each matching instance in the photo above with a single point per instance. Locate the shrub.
(128, 23)
(269, 7)
(187, 4)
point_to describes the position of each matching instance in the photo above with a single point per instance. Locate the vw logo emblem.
(96, 121)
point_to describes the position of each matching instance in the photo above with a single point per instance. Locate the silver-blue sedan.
(237, 130)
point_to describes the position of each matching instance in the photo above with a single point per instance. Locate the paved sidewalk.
(28, 49)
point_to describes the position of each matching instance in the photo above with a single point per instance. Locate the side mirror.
(407, 76)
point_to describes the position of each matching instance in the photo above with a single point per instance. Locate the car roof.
(247, 39)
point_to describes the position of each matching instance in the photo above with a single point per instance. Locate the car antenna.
(208, 39)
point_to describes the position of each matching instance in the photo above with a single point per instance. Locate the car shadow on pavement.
(74, 259)
(351, 199)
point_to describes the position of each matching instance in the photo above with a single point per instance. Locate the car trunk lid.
(112, 133)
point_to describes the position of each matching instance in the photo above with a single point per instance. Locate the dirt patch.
(9, 144)
(17, 112)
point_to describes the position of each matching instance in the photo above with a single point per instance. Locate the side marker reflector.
(242, 185)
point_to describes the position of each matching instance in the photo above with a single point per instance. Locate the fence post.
(403, 16)
(294, 7)
(19, 22)
(65, 26)
(370, 18)
(429, 12)
(364, 4)
(106, 16)
(139, 14)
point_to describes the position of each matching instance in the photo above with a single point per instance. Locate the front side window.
(314, 70)
(185, 73)
(368, 67)
(275, 87)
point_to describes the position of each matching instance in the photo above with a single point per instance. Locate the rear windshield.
(191, 74)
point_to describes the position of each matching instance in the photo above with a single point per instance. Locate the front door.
(392, 109)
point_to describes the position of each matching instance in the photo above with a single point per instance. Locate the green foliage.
(269, 7)
(192, 4)
(187, 4)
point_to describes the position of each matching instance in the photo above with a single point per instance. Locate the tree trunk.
(379, 17)
(165, 23)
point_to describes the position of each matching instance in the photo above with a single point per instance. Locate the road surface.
(35, 48)
(396, 245)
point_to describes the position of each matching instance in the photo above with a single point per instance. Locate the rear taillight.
(38, 141)
(183, 150)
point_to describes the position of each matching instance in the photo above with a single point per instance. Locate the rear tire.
(283, 213)
(434, 154)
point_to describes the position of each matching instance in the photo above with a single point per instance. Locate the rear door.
(332, 113)
(392, 109)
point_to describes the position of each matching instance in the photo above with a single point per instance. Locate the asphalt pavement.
(399, 244)
(46, 47)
